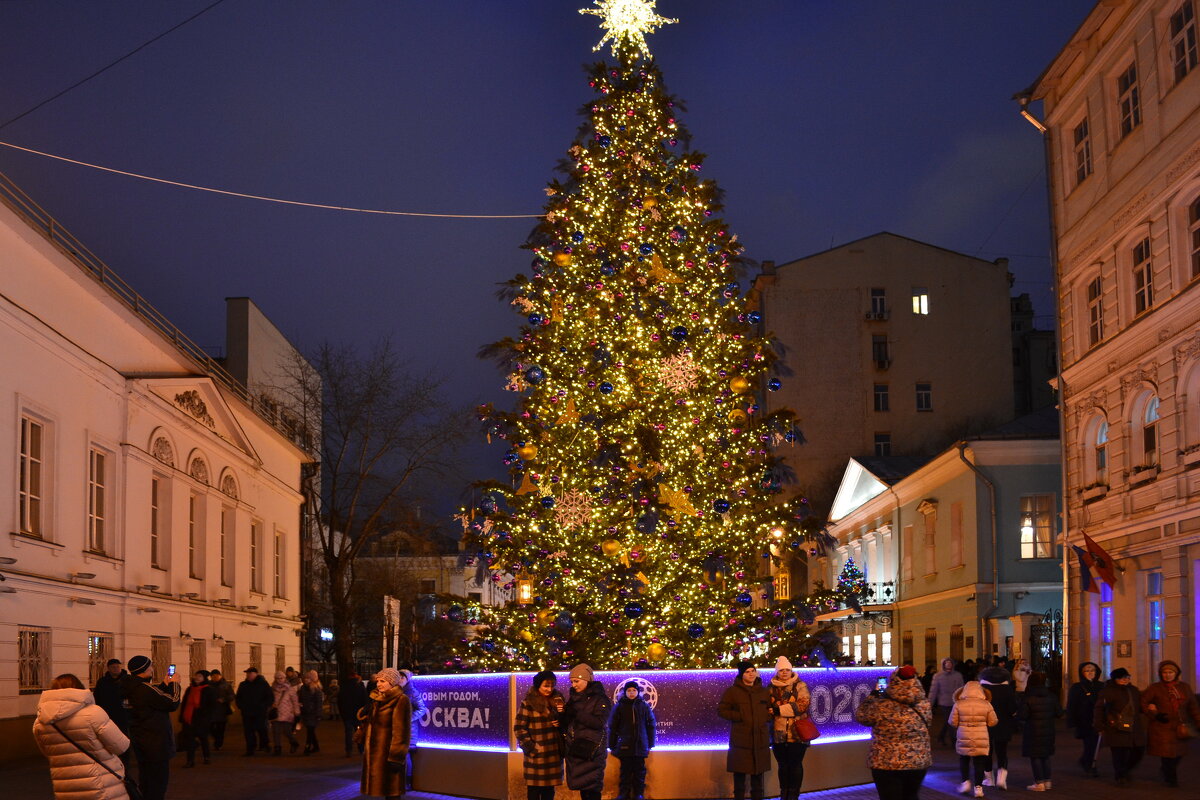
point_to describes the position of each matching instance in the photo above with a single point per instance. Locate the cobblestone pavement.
(332, 777)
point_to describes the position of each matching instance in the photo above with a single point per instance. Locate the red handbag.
(805, 728)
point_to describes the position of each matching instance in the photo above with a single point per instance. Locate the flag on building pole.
(1101, 561)
(1086, 581)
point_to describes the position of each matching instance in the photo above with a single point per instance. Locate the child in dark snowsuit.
(630, 737)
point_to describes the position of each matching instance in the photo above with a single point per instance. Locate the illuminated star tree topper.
(625, 23)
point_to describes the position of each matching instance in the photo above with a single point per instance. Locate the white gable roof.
(857, 487)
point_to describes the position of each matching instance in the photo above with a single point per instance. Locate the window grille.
(33, 659)
(100, 650)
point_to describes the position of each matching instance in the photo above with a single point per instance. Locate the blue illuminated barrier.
(466, 746)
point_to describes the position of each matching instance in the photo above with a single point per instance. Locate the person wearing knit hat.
(631, 737)
(745, 705)
(418, 711)
(536, 729)
(386, 726)
(585, 728)
(1119, 720)
(789, 702)
(150, 729)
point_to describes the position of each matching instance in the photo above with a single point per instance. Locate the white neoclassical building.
(1122, 109)
(147, 506)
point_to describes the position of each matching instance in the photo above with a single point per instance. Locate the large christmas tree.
(645, 503)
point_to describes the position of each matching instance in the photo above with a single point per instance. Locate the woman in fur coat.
(789, 700)
(973, 715)
(1167, 703)
(540, 737)
(385, 728)
(71, 707)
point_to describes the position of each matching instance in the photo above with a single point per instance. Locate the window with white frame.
(1143, 277)
(878, 302)
(1106, 628)
(157, 518)
(97, 500)
(1100, 451)
(1037, 526)
(1148, 425)
(100, 650)
(920, 301)
(1095, 308)
(885, 648)
(881, 397)
(1183, 40)
(924, 397)
(33, 659)
(1154, 620)
(883, 444)
(256, 567)
(31, 489)
(846, 647)
(1129, 101)
(1083, 151)
(1194, 235)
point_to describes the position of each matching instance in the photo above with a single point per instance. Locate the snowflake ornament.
(679, 373)
(573, 510)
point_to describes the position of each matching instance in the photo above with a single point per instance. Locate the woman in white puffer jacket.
(76, 775)
(972, 714)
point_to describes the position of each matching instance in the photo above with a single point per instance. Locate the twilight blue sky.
(823, 121)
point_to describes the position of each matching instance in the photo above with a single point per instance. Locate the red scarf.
(192, 703)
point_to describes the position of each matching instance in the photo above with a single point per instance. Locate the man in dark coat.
(222, 692)
(631, 737)
(585, 724)
(1081, 711)
(1121, 723)
(1039, 710)
(747, 705)
(254, 697)
(150, 730)
(998, 681)
(352, 696)
(111, 696)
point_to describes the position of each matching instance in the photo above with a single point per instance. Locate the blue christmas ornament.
(511, 457)
(790, 436)
(721, 506)
(633, 610)
(607, 268)
(679, 332)
(487, 504)
(731, 290)
(744, 599)
(606, 388)
(564, 622)
(547, 502)
(536, 319)
(605, 140)
(535, 375)
(754, 317)
(577, 237)
(774, 384)
(789, 622)
(488, 646)
(455, 613)
(695, 630)
(712, 248)
(646, 248)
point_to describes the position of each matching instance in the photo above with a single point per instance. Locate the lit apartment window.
(924, 397)
(32, 468)
(1150, 432)
(1083, 152)
(881, 397)
(883, 444)
(1128, 100)
(1095, 304)
(256, 557)
(1106, 628)
(1194, 235)
(1143, 277)
(920, 300)
(33, 659)
(1100, 451)
(878, 302)
(1154, 619)
(783, 584)
(880, 353)
(1037, 526)
(156, 522)
(97, 491)
(1183, 40)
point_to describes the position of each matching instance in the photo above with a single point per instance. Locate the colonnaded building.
(1122, 109)
(151, 504)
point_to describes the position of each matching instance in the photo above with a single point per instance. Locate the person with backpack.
(1121, 723)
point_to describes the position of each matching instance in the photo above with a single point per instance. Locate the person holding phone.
(899, 719)
(150, 728)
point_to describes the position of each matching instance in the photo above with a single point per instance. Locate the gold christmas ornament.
(739, 385)
(562, 259)
(737, 417)
(527, 451)
(526, 636)
(649, 202)
(610, 547)
(656, 652)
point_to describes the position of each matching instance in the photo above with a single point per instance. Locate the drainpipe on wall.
(962, 446)
(899, 540)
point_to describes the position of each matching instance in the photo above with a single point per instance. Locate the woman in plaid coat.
(538, 735)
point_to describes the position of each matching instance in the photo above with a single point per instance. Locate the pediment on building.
(857, 487)
(199, 400)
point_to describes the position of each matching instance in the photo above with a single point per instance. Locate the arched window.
(1095, 451)
(1100, 451)
(1148, 424)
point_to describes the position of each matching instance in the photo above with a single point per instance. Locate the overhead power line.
(246, 196)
